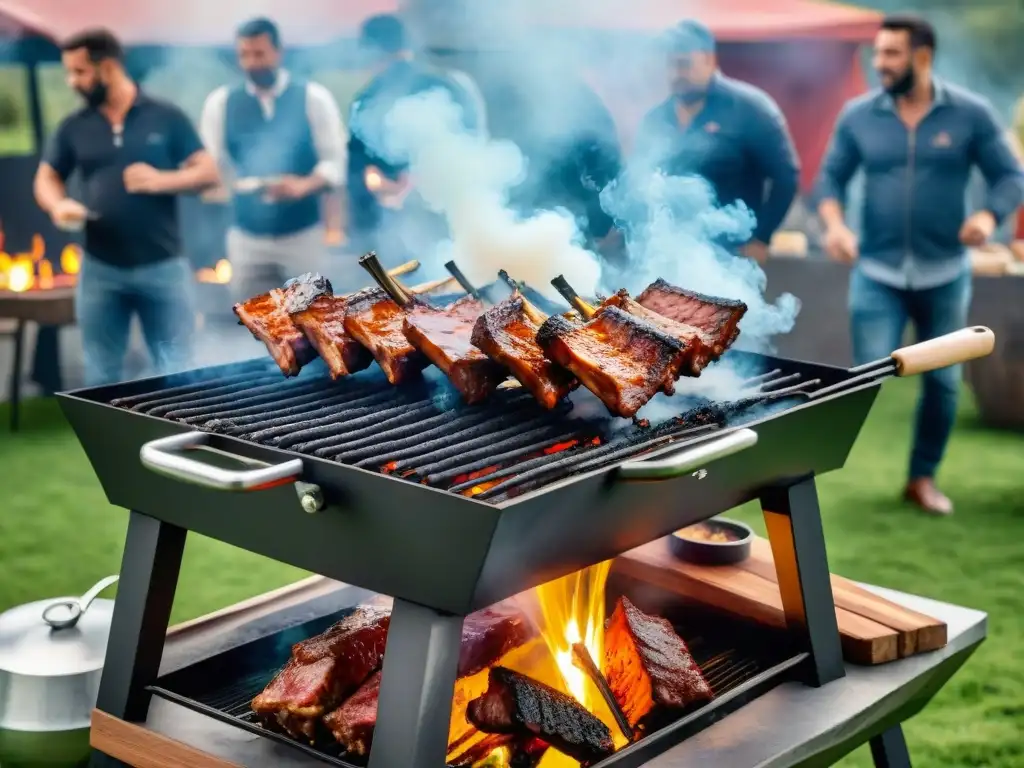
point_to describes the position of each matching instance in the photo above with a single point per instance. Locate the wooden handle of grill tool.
(434, 285)
(401, 269)
(951, 349)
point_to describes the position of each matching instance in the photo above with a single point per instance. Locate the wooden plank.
(749, 595)
(138, 747)
(916, 633)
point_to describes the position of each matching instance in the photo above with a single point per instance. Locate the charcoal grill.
(384, 511)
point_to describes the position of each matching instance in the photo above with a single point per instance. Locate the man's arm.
(329, 136)
(57, 165)
(197, 169)
(842, 158)
(211, 127)
(998, 163)
(776, 157)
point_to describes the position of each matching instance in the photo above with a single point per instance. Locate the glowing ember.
(31, 270)
(71, 260)
(220, 274)
(21, 276)
(476, 490)
(373, 179)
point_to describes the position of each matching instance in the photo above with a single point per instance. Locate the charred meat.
(322, 322)
(700, 346)
(508, 336)
(267, 317)
(324, 671)
(444, 337)
(648, 665)
(486, 637)
(374, 320)
(622, 359)
(717, 318)
(516, 704)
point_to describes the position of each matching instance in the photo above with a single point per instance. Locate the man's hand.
(841, 244)
(68, 214)
(755, 250)
(978, 228)
(291, 187)
(390, 193)
(140, 178)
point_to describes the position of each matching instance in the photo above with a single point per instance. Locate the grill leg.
(421, 662)
(145, 593)
(793, 520)
(19, 354)
(889, 749)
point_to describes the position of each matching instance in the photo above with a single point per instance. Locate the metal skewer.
(467, 286)
(582, 659)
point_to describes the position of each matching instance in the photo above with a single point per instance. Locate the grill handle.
(689, 460)
(154, 456)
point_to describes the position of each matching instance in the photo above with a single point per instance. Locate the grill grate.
(223, 687)
(491, 452)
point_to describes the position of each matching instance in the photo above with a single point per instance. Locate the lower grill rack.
(738, 666)
(421, 433)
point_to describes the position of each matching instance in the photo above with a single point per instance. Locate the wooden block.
(751, 596)
(138, 747)
(916, 633)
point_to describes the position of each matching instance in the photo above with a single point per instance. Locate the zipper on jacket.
(908, 250)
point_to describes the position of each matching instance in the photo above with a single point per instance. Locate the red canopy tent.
(803, 52)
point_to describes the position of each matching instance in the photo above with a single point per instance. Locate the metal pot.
(51, 658)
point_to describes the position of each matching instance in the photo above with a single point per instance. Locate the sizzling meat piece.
(322, 322)
(486, 637)
(267, 318)
(517, 704)
(374, 320)
(525, 753)
(622, 359)
(648, 665)
(507, 335)
(443, 335)
(324, 671)
(718, 318)
(700, 346)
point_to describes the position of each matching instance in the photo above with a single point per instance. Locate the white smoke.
(467, 178)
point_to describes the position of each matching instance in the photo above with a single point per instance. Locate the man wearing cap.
(280, 143)
(728, 132)
(373, 180)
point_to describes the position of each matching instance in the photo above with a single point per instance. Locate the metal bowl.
(701, 552)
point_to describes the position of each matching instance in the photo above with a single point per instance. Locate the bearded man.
(916, 139)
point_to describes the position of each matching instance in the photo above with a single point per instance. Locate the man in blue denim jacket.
(917, 141)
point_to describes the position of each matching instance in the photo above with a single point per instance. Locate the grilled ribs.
(267, 317)
(700, 346)
(622, 359)
(507, 335)
(322, 322)
(718, 318)
(374, 320)
(648, 665)
(323, 671)
(516, 704)
(486, 637)
(443, 336)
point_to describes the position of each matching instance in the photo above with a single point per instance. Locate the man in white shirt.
(280, 143)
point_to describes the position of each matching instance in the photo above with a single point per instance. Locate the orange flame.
(220, 273)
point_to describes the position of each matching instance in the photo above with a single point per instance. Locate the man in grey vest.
(280, 143)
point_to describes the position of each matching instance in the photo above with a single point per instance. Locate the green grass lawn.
(58, 535)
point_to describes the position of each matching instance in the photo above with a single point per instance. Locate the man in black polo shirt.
(728, 132)
(134, 154)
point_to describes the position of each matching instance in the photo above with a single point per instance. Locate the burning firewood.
(518, 705)
(648, 665)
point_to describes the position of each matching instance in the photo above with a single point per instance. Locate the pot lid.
(30, 646)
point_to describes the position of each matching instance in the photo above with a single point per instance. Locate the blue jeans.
(107, 298)
(878, 318)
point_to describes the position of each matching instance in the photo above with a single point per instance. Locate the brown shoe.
(922, 493)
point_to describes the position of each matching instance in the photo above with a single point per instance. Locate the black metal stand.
(793, 519)
(145, 593)
(889, 749)
(421, 662)
(15, 391)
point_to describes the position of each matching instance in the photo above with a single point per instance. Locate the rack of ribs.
(322, 322)
(487, 636)
(324, 671)
(268, 318)
(515, 704)
(443, 335)
(648, 665)
(374, 320)
(507, 334)
(622, 359)
(717, 318)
